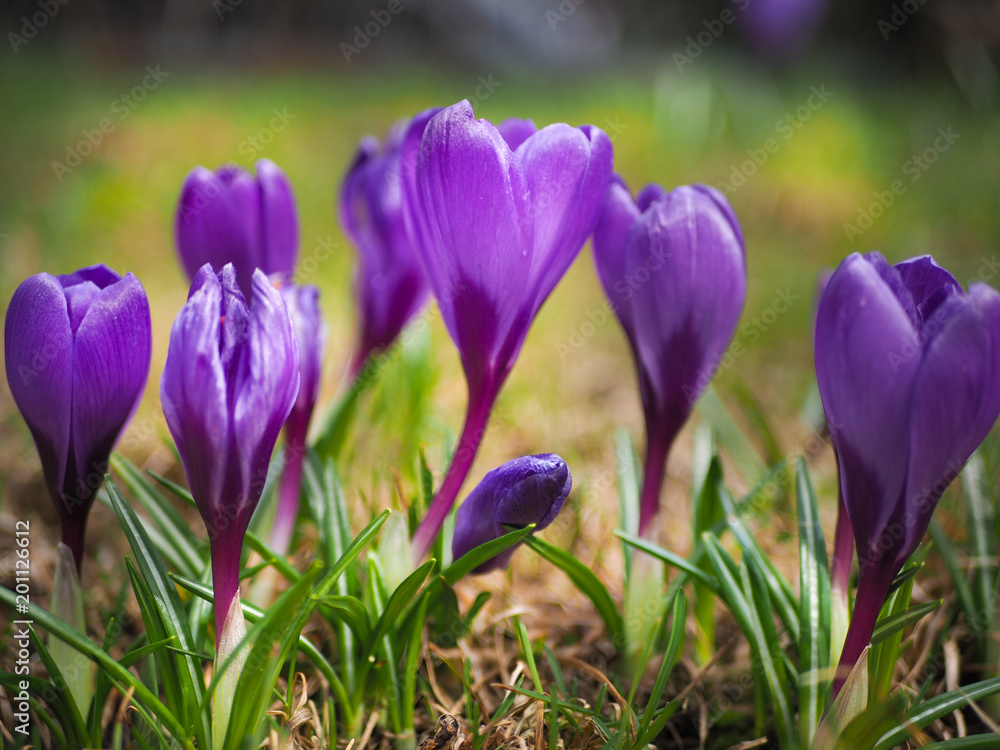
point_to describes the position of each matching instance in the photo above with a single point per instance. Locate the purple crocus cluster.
(487, 219)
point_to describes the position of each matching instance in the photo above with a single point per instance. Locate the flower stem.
(477, 417)
(872, 590)
(288, 499)
(67, 605)
(840, 581)
(230, 629)
(652, 482)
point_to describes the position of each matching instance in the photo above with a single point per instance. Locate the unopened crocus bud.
(908, 367)
(230, 216)
(527, 490)
(310, 331)
(229, 383)
(77, 351)
(673, 266)
(496, 228)
(389, 283)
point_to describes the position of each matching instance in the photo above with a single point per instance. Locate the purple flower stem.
(226, 552)
(652, 482)
(288, 500)
(477, 417)
(74, 531)
(873, 588)
(843, 552)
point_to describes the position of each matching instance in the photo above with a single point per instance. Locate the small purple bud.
(527, 490)
(77, 355)
(230, 216)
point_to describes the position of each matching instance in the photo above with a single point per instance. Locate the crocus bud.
(527, 490)
(909, 371)
(673, 266)
(229, 383)
(310, 335)
(77, 354)
(230, 216)
(389, 283)
(495, 228)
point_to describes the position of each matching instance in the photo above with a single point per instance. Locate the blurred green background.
(800, 168)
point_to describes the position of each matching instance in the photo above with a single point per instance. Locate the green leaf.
(81, 643)
(59, 686)
(851, 702)
(958, 576)
(585, 580)
(399, 600)
(893, 624)
(649, 724)
(982, 524)
(975, 742)
(706, 511)
(171, 612)
(629, 488)
(815, 608)
(188, 553)
(730, 436)
(931, 710)
(670, 558)
(763, 638)
(478, 555)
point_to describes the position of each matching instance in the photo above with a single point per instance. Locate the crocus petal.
(648, 196)
(686, 262)
(476, 233)
(527, 490)
(928, 283)
(310, 337)
(279, 218)
(867, 356)
(213, 221)
(38, 343)
(956, 400)
(266, 385)
(193, 393)
(99, 275)
(110, 367)
(78, 300)
(516, 131)
(568, 171)
(610, 236)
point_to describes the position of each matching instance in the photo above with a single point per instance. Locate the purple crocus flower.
(780, 29)
(230, 381)
(673, 267)
(77, 354)
(389, 283)
(909, 370)
(530, 489)
(230, 216)
(310, 331)
(495, 228)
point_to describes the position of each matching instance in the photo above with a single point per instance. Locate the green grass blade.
(74, 728)
(670, 558)
(891, 625)
(982, 539)
(959, 578)
(931, 710)
(398, 601)
(190, 551)
(171, 612)
(585, 580)
(478, 555)
(81, 643)
(629, 486)
(815, 609)
(763, 638)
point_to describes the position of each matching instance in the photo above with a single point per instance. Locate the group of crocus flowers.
(487, 218)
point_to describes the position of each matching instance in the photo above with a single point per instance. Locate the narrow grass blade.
(171, 612)
(629, 486)
(815, 609)
(477, 556)
(585, 580)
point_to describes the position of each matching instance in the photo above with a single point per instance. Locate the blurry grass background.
(574, 383)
